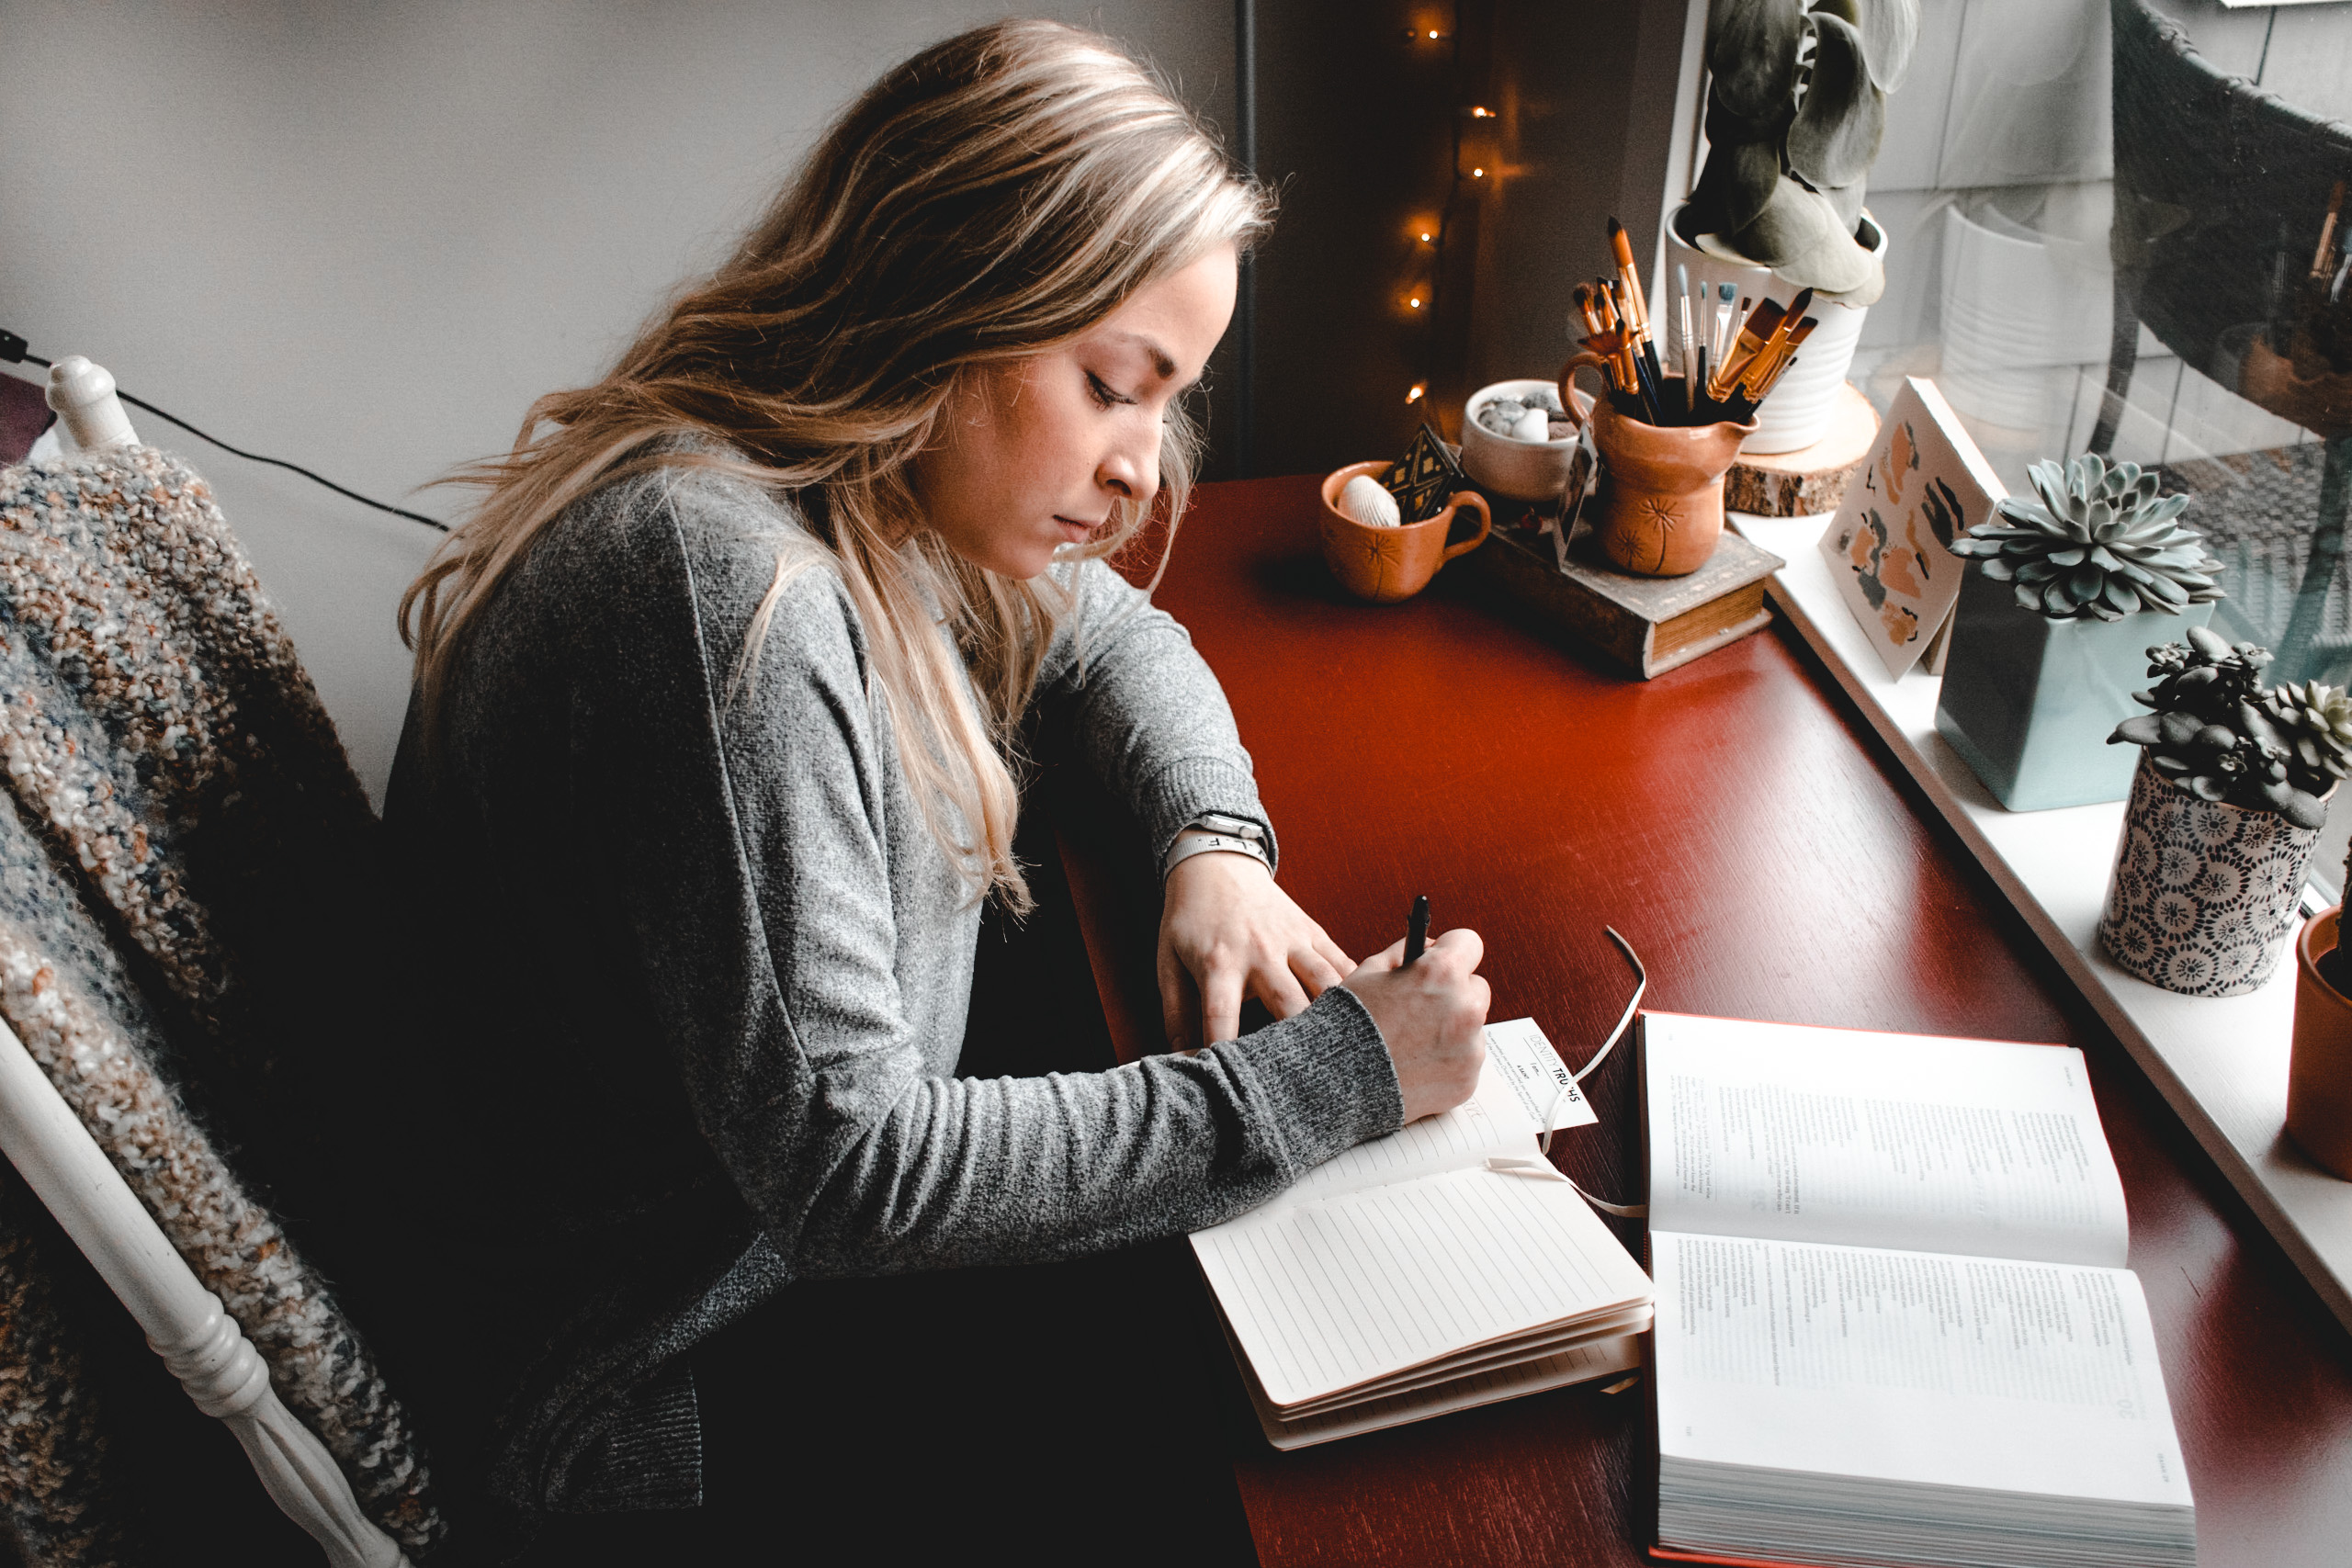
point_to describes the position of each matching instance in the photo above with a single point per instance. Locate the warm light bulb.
(1415, 395)
(1425, 239)
(1479, 111)
(1432, 33)
(1477, 173)
(1415, 301)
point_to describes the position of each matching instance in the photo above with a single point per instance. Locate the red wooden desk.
(1740, 827)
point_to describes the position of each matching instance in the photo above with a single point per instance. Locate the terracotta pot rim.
(1603, 408)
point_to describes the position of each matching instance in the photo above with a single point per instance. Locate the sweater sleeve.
(1151, 720)
(752, 835)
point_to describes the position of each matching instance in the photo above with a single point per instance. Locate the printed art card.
(1890, 546)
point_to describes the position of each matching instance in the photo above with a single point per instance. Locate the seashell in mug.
(1364, 499)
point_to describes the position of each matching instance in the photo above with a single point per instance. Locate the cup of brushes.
(1666, 440)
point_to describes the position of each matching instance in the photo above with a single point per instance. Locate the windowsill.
(2222, 1063)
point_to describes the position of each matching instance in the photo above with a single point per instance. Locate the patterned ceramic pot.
(2205, 894)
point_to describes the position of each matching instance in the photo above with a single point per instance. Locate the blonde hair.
(1001, 192)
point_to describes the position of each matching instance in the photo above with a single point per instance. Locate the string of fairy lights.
(1423, 291)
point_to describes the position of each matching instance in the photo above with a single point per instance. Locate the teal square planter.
(2028, 702)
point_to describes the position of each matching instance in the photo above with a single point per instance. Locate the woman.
(711, 770)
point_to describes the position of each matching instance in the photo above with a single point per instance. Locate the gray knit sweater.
(695, 984)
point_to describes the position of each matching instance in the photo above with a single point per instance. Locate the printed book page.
(1516, 1086)
(1330, 1295)
(1878, 1140)
(1954, 1372)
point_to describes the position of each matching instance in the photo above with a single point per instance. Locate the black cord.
(12, 349)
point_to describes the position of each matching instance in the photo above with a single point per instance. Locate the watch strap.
(1184, 849)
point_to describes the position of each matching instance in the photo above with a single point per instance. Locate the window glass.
(2056, 170)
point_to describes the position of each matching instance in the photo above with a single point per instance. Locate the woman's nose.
(1131, 469)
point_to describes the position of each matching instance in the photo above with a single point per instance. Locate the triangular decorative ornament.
(1424, 477)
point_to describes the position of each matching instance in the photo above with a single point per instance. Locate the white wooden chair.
(67, 1172)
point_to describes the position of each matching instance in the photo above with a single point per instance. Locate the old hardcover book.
(1649, 624)
(1894, 1326)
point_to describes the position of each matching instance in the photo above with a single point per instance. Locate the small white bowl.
(1522, 470)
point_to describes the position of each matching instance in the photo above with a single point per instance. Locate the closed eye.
(1103, 396)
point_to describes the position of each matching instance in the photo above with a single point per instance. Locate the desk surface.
(1745, 831)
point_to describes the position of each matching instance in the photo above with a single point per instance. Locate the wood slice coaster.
(1811, 478)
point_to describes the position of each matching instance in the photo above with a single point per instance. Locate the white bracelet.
(1185, 849)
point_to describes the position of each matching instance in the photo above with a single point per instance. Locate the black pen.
(1416, 929)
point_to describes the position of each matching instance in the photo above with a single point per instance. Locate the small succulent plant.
(2215, 734)
(2101, 543)
(1796, 110)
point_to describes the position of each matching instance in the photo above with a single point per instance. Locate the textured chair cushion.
(185, 887)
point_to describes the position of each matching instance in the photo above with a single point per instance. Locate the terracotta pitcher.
(1660, 509)
(1385, 565)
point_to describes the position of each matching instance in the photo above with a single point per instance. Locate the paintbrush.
(1773, 349)
(1637, 304)
(1621, 318)
(1622, 244)
(1773, 363)
(1651, 386)
(1689, 354)
(1759, 326)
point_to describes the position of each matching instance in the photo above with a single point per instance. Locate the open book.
(1444, 1266)
(1893, 1324)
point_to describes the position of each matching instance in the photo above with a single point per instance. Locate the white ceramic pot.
(2015, 306)
(1521, 470)
(1797, 412)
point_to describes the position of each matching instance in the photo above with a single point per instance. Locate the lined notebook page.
(1515, 1086)
(1325, 1296)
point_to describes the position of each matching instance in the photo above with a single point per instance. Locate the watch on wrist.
(1213, 832)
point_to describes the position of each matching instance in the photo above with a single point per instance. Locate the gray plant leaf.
(1843, 117)
(1735, 186)
(1798, 236)
(1862, 295)
(1752, 50)
(1889, 31)
(1848, 201)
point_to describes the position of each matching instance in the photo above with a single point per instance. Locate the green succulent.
(1797, 106)
(2314, 722)
(2215, 734)
(2101, 543)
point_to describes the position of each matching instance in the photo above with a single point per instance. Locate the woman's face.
(1031, 455)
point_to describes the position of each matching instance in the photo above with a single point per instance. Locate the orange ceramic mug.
(1385, 565)
(1659, 507)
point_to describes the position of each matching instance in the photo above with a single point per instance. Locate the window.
(2020, 232)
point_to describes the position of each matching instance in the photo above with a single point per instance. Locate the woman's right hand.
(1432, 1017)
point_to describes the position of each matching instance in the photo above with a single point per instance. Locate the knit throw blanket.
(179, 832)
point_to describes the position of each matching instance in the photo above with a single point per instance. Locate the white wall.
(364, 238)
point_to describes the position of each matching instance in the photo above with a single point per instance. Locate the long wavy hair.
(998, 193)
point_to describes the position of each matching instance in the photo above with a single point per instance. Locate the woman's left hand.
(1227, 931)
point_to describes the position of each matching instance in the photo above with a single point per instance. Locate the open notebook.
(1893, 1325)
(1445, 1266)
